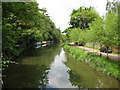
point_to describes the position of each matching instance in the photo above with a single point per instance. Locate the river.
(52, 67)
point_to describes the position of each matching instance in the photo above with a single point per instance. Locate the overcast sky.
(60, 10)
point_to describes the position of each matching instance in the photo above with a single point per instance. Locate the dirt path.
(111, 56)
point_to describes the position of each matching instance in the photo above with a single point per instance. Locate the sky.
(60, 10)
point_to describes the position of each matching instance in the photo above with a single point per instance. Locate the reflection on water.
(38, 46)
(42, 45)
(30, 76)
(83, 76)
(58, 75)
(51, 67)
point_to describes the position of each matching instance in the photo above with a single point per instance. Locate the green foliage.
(74, 35)
(80, 21)
(95, 61)
(81, 17)
(89, 27)
(96, 33)
(111, 29)
(63, 38)
(24, 24)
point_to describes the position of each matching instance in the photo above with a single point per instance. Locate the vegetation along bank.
(105, 65)
(24, 24)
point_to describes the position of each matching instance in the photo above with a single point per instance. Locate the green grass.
(105, 65)
(115, 53)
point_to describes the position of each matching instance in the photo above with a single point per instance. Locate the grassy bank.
(107, 66)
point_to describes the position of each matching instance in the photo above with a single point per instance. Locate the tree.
(81, 17)
(96, 30)
(111, 29)
(80, 24)
(23, 25)
(63, 38)
(78, 36)
(110, 6)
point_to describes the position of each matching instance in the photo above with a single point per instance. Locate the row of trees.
(88, 27)
(24, 24)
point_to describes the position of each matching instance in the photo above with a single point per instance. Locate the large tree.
(111, 29)
(81, 17)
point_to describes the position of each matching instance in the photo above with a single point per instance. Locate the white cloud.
(60, 10)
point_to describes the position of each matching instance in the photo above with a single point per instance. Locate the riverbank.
(105, 65)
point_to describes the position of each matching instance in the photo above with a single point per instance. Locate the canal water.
(52, 67)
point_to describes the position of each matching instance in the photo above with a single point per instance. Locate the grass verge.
(105, 65)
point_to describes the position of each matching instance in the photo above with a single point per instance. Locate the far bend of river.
(52, 67)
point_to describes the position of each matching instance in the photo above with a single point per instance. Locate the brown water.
(52, 67)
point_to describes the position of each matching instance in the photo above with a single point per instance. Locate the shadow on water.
(75, 79)
(22, 76)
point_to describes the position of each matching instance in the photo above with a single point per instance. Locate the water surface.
(52, 67)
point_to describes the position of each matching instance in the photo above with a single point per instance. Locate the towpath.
(110, 55)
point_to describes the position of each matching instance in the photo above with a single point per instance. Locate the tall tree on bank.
(81, 17)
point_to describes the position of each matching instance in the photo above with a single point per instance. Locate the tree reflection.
(26, 76)
(33, 72)
(75, 79)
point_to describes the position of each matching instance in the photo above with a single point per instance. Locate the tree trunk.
(99, 49)
(107, 52)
